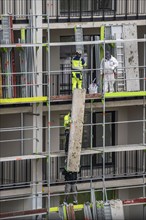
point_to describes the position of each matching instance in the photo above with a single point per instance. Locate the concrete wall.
(135, 130)
(12, 145)
(129, 129)
(55, 132)
(15, 205)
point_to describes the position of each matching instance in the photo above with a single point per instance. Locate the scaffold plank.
(97, 150)
(17, 214)
(124, 94)
(25, 157)
(119, 148)
(99, 96)
(24, 100)
(69, 97)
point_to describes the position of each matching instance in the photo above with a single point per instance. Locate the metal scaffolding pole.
(48, 103)
(103, 137)
(144, 125)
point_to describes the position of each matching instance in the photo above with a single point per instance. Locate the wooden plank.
(76, 130)
(135, 201)
(23, 213)
(131, 57)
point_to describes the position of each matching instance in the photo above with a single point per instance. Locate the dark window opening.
(98, 137)
(105, 4)
(97, 140)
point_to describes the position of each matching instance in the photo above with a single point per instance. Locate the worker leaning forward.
(67, 122)
(108, 68)
(77, 64)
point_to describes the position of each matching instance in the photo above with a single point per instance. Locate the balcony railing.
(27, 85)
(77, 10)
(16, 174)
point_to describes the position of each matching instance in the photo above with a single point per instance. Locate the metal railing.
(18, 173)
(26, 84)
(79, 10)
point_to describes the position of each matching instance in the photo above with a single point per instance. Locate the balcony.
(76, 10)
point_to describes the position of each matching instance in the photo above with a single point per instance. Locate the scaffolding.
(42, 96)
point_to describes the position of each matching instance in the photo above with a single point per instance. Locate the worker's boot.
(75, 202)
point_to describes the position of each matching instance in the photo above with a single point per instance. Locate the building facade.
(37, 43)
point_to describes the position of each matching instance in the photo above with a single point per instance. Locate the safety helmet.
(107, 55)
(79, 52)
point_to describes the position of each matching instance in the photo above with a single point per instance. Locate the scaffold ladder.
(79, 38)
(13, 59)
(30, 58)
(6, 58)
(115, 32)
(23, 66)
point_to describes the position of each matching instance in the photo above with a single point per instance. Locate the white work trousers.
(109, 81)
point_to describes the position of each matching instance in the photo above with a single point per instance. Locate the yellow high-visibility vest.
(67, 121)
(77, 64)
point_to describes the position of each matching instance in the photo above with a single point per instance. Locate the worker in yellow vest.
(77, 65)
(67, 121)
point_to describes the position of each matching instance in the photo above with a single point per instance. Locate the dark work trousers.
(70, 188)
(67, 140)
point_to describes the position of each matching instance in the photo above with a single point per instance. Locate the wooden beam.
(23, 213)
(76, 130)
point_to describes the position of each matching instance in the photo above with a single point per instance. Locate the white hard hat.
(79, 51)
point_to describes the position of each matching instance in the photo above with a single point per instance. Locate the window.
(70, 5)
(106, 4)
(98, 136)
(74, 6)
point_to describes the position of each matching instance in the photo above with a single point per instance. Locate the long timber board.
(131, 57)
(76, 130)
(24, 157)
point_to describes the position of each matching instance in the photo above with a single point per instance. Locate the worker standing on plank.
(77, 64)
(67, 122)
(70, 185)
(108, 68)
